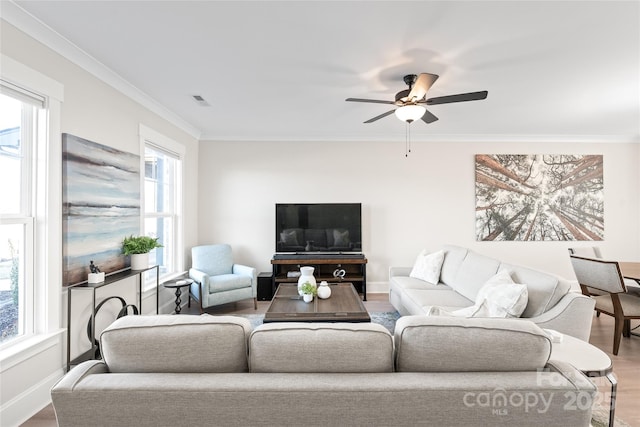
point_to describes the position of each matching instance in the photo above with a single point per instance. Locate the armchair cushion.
(227, 282)
(213, 260)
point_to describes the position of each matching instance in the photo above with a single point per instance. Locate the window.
(19, 117)
(162, 201)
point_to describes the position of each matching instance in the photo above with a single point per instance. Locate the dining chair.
(633, 286)
(613, 300)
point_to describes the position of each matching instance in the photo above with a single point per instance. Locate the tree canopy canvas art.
(101, 206)
(531, 197)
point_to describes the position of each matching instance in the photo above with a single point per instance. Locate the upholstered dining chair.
(217, 280)
(605, 277)
(633, 287)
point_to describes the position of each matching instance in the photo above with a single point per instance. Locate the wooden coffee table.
(344, 305)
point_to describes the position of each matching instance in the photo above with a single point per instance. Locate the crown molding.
(453, 138)
(32, 26)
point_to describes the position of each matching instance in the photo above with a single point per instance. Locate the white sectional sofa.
(550, 304)
(216, 371)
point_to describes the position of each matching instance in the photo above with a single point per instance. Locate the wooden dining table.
(630, 270)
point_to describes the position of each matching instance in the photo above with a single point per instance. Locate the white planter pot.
(139, 261)
(307, 298)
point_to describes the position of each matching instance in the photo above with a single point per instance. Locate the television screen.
(318, 227)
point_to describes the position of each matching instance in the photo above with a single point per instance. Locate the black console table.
(354, 267)
(110, 279)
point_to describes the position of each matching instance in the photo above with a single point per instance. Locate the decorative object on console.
(96, 276)
(100, 202)
(306, 276)
(539, 197)
(138, 247)
(324, 291)
(339, 273)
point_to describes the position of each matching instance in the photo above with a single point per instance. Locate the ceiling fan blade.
(428, 117)
(380, 116)
(471, 96)
(422, 85)
(375, 101)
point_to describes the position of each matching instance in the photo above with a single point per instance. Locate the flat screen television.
(319, 227)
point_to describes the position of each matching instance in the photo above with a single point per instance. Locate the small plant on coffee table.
(308, 289)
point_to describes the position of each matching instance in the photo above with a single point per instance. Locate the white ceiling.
(281, 70)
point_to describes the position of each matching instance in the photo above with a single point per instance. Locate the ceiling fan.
(410, 102)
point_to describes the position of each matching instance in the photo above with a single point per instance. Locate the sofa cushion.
(168, 343)
(406, 282)
(426, 344)
(427, 266)
(453, 257)
(545, 290)
(473, 273)
(432, 297)
(320, 347)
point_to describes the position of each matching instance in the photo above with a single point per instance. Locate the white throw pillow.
(427, 266)
(502, 297)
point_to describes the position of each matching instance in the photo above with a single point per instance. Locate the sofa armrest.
(199, 276)
(68, 382)
(572, 315)
(399, 271)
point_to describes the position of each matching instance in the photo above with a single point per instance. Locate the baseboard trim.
(24, 406)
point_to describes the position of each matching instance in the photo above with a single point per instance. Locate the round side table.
(178, 284)
(589, 359)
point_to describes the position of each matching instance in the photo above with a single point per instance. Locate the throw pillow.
(502, 297)
(427, 266)
(341, 238)
(289, 237)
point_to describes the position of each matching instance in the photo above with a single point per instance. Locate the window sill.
(28, 348)
(151, 285)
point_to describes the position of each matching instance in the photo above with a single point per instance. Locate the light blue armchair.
(217, 279)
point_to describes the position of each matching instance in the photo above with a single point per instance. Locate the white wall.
(95, 111)
(422, 201)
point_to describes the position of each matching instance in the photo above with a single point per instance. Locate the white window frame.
(158, 141)
(43, 242)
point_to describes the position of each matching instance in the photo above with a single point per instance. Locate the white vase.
(306, 275)
(307, 297)
(139, 261)
(324, 291)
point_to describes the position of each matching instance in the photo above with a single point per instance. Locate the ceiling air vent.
(200, 100)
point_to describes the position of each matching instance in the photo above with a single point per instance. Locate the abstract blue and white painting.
(100, 206)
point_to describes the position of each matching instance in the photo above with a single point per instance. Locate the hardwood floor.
(625, 364)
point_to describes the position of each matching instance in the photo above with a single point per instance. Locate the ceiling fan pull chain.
(409, 130)
(406, 139)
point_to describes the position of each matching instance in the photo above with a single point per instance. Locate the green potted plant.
(138, 247)
(308, 291)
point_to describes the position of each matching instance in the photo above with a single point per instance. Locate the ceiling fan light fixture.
(410, 113)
